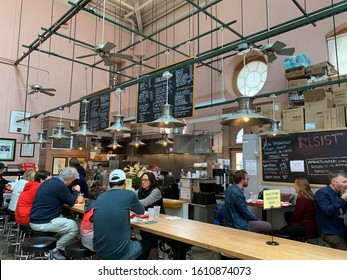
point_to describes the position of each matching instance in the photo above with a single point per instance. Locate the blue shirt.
(236, 213)
(329, 206)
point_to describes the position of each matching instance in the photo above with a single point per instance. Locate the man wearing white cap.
(111, 219)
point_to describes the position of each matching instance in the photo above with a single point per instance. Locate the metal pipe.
(313, 17)
(65, 18)
(302, 10)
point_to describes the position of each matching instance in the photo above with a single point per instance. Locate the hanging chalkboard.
(98, 111)
(311, 155)
(152, 95)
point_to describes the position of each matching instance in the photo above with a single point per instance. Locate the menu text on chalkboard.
(152, 95)
(98, 111)
(312, 155)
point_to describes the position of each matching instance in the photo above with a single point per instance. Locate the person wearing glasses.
(150, 194)
(111, 218)
(236, 212)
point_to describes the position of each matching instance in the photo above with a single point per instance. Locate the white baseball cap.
(116, 176)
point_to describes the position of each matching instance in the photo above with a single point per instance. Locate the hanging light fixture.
(97, 145)
(274, 131)
(25, 140)
(118, 125)
(41, 139)
(136, 140)
(164, 141)
(114, 143)
(59, 135)
(83, 129)
(246, 115)
(167, 120)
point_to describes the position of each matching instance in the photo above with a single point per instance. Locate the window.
(341, 41)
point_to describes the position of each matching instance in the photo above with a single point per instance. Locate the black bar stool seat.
(39, 244)
(77, 251)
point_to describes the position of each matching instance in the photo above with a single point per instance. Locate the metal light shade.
(41, 139)
(59, 135)
(167, 120)
(274, 130)
(245, 116)
(25, 140)
(136, 142)
(114, 144)
(84, 131)
(118, 125)
(164, 141)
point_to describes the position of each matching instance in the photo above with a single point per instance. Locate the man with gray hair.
(46, 212)
(331, 204)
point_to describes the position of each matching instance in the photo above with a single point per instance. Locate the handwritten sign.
(128, 184)
(272, 199)
(312, 155)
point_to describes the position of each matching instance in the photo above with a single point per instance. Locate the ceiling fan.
(103, 50)
(36, 88)
(271, 50)
(277, 48)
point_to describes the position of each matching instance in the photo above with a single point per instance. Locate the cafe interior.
(191, 90)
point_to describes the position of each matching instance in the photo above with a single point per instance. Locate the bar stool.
(24, 232)
(77, 251)
(39, 248)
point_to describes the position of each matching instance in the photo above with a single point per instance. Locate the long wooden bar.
(238, 243)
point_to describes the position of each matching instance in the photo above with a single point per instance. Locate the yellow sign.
(128, 184)
(272, 199)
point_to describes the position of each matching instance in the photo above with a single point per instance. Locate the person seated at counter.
(236, 212)
(112, 232)
(150, 194)
(302, 222)
(46, 211)
(331, 204)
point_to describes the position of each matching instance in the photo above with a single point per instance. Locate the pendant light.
(274, 131)
(97, 145)
(41, 139)
(60, 134)
(164, 141)
(167, 120)
(136, 140)
(118, 125)
(246, 115)
(83, 130)
(114, 143)
(25, 140)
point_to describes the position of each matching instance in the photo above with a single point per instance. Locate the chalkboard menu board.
(152, 95)
(311, 155)
(98, 110)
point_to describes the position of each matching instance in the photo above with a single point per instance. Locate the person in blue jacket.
(330, 203)
(236, 212)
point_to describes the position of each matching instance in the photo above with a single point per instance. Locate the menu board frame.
(152, 94)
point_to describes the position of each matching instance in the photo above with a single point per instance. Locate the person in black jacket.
(75, 163)
(4, 184)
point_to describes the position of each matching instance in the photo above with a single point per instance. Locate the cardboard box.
(267, 110)
(297, 83)
(320, 69)
(335, 117)
(316, 102)
(295, 73)
(340, 97)
(294, 119)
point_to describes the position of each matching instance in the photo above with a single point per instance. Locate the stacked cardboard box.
(269, 111)
(294, 119)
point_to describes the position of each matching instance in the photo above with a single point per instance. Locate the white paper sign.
(297, 166)
(21, 127)
(251, 167)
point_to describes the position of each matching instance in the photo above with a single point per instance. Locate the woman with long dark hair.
(150, 194)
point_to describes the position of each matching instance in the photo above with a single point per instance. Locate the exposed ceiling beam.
(138, 15)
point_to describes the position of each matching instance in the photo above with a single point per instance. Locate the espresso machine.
(222, 177)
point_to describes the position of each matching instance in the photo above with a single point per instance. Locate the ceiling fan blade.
(47, 92)
(48, 89)
(84, 46)
(32, 92)
(271, 57)
(107, 61)
(108, 46)
(278, 45)
(286, 51)
(120, 55)
(87, 55)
